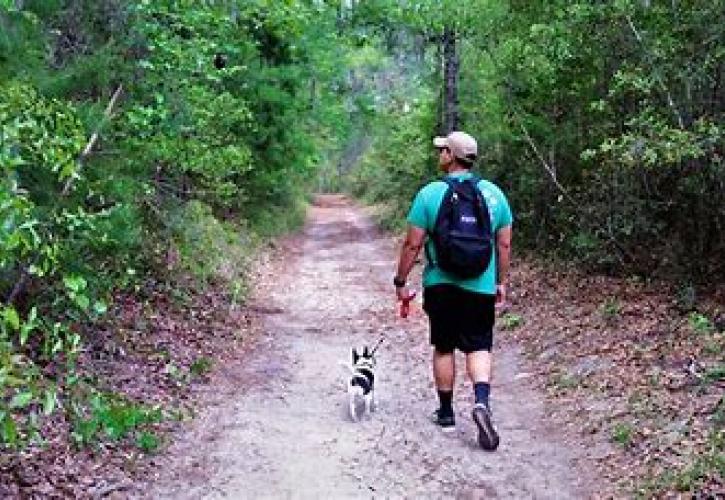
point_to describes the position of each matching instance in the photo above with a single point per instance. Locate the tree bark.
(450, 80)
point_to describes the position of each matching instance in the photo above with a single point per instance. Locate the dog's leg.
(374, 402)
(369, 404)
(352, 401)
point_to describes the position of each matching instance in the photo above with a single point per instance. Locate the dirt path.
(281, 429)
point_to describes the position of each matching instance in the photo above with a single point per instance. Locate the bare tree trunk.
(450, 80)
(441, 106)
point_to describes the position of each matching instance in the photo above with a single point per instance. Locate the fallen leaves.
(627, 367)
(154, 351)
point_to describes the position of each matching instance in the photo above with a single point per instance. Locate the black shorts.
(459, 319)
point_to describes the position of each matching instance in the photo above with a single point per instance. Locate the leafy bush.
(622, 434)
(114, 418)
(208, 250)
(511, 321)
(700, 323)
(192, 165)
(201, 366)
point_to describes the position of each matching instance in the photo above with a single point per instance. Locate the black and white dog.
(361, 384)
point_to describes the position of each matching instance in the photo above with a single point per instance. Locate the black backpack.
(462, 234)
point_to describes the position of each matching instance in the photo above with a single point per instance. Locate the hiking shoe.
(447, 423)
(487, 436)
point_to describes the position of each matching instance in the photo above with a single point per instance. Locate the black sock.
(446, 399)
(482, 390)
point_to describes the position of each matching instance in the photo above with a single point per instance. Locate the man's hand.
(405, 297)
(500, 296)
(402, 293)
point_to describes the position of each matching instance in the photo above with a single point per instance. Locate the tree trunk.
(450, 81)
(440, 104)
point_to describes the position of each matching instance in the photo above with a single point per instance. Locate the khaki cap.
(462, 145)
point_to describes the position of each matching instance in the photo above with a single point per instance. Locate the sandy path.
(282, 430)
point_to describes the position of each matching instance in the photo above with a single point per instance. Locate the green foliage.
(715, 374)
(693, 477)
(700, 323)
(201, 366)
(511, 321)
(718, 416)
(607, 159)
(191, 169)
(148, 442)
(622, 434)
(110, 417)
(208, 250)
(39, 142)
(611, 309)
(399, 160)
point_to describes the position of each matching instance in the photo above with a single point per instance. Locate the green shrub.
(510, 321)
(700, 323)
(111, 417)
(209, 250)
(611, 309)
(622, 434)
(148, 442)
(201, 366)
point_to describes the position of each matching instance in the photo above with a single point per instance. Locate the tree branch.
(547, 167)
(19, 285)
(670, 100)
(94, 137)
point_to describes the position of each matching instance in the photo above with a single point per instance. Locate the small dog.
(361, 384)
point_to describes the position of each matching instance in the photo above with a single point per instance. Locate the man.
(461, 311)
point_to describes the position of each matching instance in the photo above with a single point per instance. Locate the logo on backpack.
(462, 234)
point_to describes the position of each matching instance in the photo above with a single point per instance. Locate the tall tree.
(451, 65)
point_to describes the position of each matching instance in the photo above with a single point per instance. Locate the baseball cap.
(462, 145)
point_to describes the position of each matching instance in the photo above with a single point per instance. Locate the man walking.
(465, 224)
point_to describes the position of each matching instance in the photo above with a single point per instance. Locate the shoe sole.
(487, 437)
(444, 428)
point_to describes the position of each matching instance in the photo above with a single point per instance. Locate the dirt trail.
(282, 430)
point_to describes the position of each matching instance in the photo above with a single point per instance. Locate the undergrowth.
(111, 416)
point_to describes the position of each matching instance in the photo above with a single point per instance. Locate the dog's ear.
(355, 356)
(366, 352)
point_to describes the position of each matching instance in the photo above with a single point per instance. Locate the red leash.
(405, 305)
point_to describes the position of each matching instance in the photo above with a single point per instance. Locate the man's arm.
(503, 260)
(408, 254)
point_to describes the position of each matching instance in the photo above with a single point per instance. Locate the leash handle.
(405, 305)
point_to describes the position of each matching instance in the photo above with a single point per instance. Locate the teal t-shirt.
(423, 214)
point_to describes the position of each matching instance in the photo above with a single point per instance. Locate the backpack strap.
(483, 206)
(426, 246)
